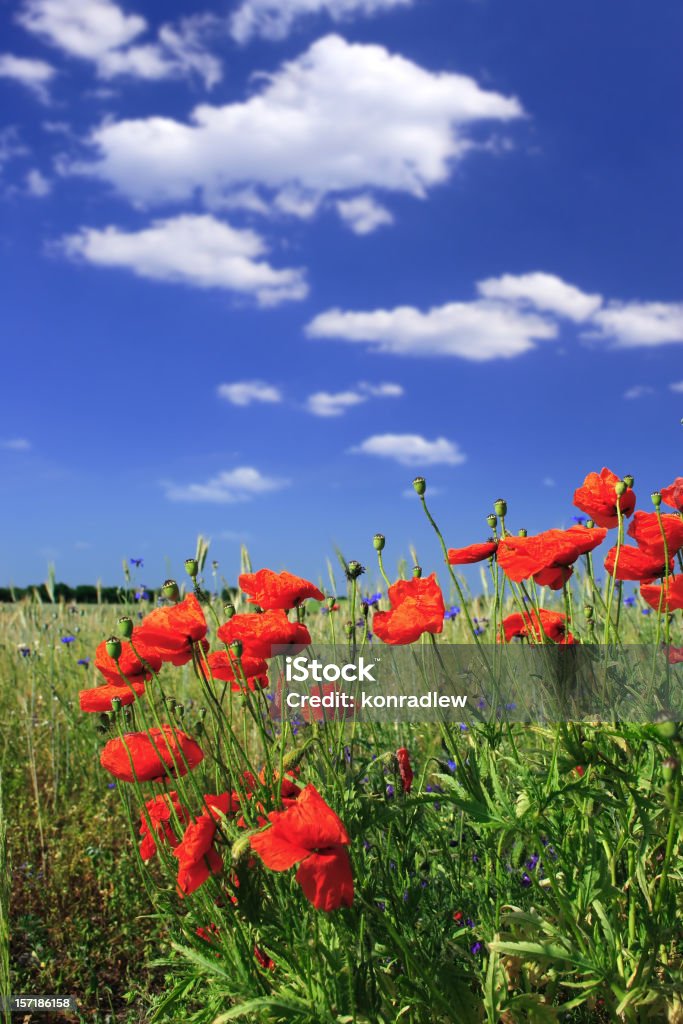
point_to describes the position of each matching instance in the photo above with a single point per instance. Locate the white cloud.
(477, 331)
(363, 214)
(16, 444)
(33, 74)
(10, 146)
(638, 391)
(244, 392)
(326, 403)
(37, 184)
(197, 250)
(678, 386)
(412, 449)
(101, 32)
(545, 292)
(227, 487)
(273, 19)
(341, 118)
(635, 324)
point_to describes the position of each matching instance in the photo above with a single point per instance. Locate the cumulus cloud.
(244, 392)
(544, 292)
(341, 118)
(16, 444)
(33, 74)
(37, 185)
(363, 214)
(196, 250)
(678, 386)
(327, 404)
(638, 391)
(412, 449)
(640, 324)
(273, 19)
(226, 488)
(477, 331)
(101, 32)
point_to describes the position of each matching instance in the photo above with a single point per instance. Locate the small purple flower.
(511, 706)
(475, 859)
(137, 562)
(381, 905)
(646, 611)
(84, 662)
(532, 861)
(142, 594)
(452, 766)
(629, 601)
(452, 612)
(367, 845)
(24, 651)
(390, 791)
(111, 785)
(579, 519)
(68, 639)
(526, 880)
(469, 922)
(424, 883)
(479, 630)
(475, 948)
(373, 599)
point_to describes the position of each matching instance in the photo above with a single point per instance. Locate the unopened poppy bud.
(378, 541)
(670, 768)
(629, 480)
(620, 488)
(590, 523)
(588, 611)
(229, 609)
(236, 648)
(330, 602)
(116, 704)
(522, 533)
(171, 702)
(417, 572)
(191, 567)
(179, 710)
(113, 647)
(240, 848)
(420, 485)
(354, 570)
(665, 725)
(125, 627)
(348, 629)
(500, 507)
(492, 520)
(170, 590)
(656, 498)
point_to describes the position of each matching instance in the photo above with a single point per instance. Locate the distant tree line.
(87, 593)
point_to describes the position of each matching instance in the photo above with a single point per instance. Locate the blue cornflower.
(24, 651)
(372, 599)
(532, 861)
(646, 611)
(84, 662)
(452, 612)
(68, 639)
(629, 601)
(526, 881)
(479, 630)
(137, 562)
(111, 785)
(453, 765)
(511, 706)
(579, 519)
(475, 948)
(142, 594)
(390, 791)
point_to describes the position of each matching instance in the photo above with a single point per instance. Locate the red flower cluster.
(173, 631)
(250, 670)
(597, 497)
(159, 812)
(405, 768)
(416, 607)
(151, 756)
(549, 556)
(673, 494)
(271, 590)
(196, 854)
(311, 835)
(259, 634)
(536, 626)
(472, 553)
(668, 597)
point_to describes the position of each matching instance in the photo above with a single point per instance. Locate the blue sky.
(263, 266)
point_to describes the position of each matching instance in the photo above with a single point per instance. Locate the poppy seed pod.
(116, 704)
(330, 602)
(620, 488)
(588, 612)
(420, 485)
(170, 590)
(589, 524)
(378, 541)
(492, 520)
(354, 570)
(500, 507)
(191, 567)
(236, 648)
(665, 725)
(670, 768)
(656, 498)
(125, 627)
(629, 480)
(522, 533)
(417, 572)
(113, 646)
(229, 609)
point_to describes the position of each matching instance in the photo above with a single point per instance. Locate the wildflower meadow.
(400, 793)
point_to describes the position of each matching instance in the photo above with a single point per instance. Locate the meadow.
(227, 865)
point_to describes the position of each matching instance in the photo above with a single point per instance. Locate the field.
(504, 869)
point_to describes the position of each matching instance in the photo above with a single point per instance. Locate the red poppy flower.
(548, 556)
(670, 593)
(404, 768)
(99, 698)
(598, 499)
(472, 553)
(535, 626)
(197, 857)
(311, 835)
(270, 589)
(225, 668)
(129, 663)
(211, 932)
(159, 813)
(261, 633)
(635, 564)
(150, 756)
(416, 607)
(673, 494)
(263, 960)
(675, 655)
(173, 631)
(646, 532)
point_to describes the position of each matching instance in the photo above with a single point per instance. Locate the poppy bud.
(670, 768)
(378, 541)
(125, 627)
(354, 570)
(420, 484)
(229, 609)
(179, 710)
(628, 480)
(116, 704)
(417, 572)
(170, 590)
(620, 488)
(330, 602)
(656, 499)
(590, 524)
(171, 702)
(113, 647)
(191, 567)
(240, 848)
(522, 533)
(492, 520)
(500, 507)
(236, 648)
(348, 629)
(665, 725)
